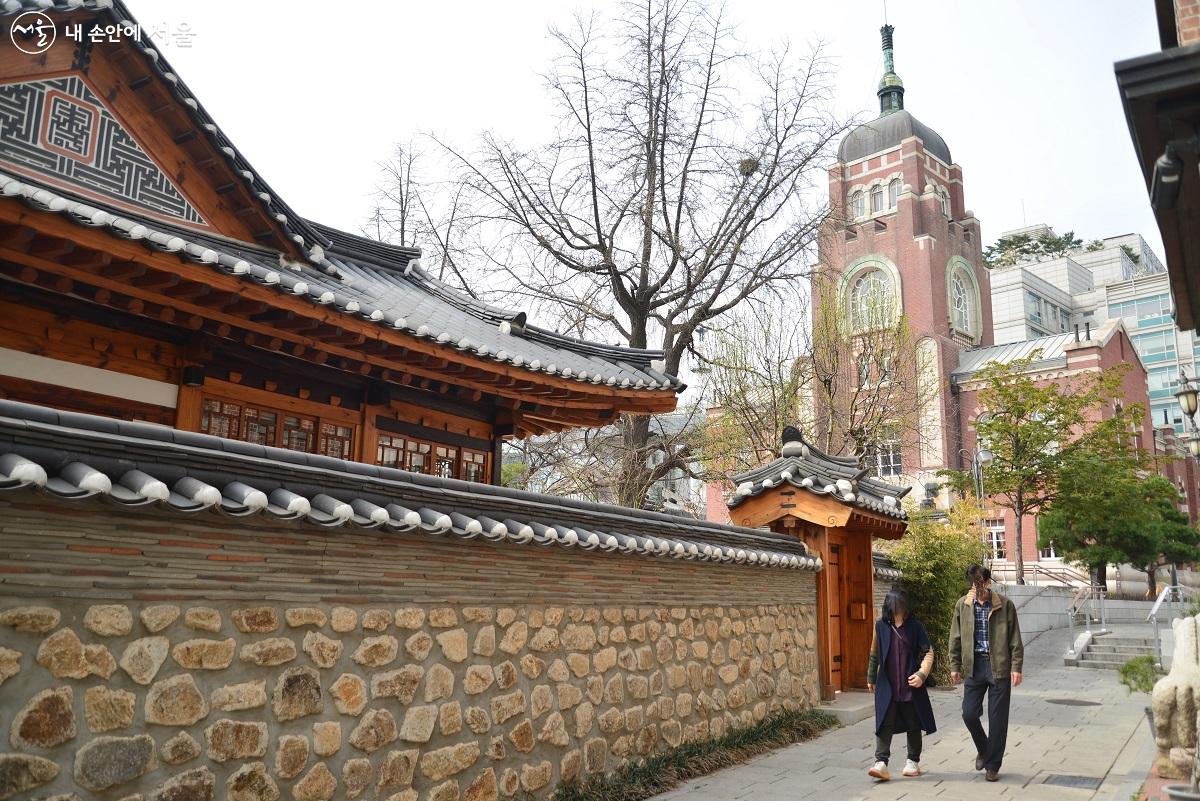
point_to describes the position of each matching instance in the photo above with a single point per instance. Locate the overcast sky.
(1022, 90)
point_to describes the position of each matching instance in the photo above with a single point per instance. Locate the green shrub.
(933, 557)
(1139, 674)
(656, 774)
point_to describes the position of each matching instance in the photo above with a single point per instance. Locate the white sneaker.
(879, 771)
(911, 769)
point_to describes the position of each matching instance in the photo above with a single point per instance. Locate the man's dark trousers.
(999, 691)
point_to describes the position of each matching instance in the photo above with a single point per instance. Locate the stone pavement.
(1107, 740)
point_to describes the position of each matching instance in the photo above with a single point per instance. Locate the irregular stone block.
(404, 795)
(376, 619)
(143, 657)
(195, 785)
(202, 654)
(568, 695)
(269, 652)
(514, 637)
(419, 645)
(46, 720)
(327, 738)
(418, 723)
(506, 675)
(202, 618)
(531, 666)
(305, 616)
(107, 709)
(175, 702)
(439, 683)
(442, 617)
(377, 651)
(180, 748)
(478, 720)
(323, 651)
(483, 788)
(535, 777)
(580, 665)
(509, 782)
(31, 619)
(595, 754)
(318, 784)
(540, 700)
(445, 762)
(233, 697)
(349, 694)
(450, 719)
(554, 731)
(251, 782)
(108, 761)
(485, 642)
(400, 683)
(496, 749)
(478, 614)
(558, 671)
(507, 706)
(343, 619)
(291, 755)
(356, 774)
(397, 768)
(108, 620)
(605, 659)
(579, 638)
(521, 736)
(543, 640)
(10, 663)
(447, 791)
(376, 729)
(99, 661)
(505, 616)
(453, 645)
(297, 693)
(411, 617)
(19, 772)
(478, 679)
(257, 620)
(62, 654)
(585, 716)
(234, 739)
(157, 618)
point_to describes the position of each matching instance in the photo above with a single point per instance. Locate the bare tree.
(432, 215)
(676, 186)
(758, 375)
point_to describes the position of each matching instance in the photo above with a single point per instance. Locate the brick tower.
(902, 246)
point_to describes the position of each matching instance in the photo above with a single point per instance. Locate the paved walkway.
(1104, 740)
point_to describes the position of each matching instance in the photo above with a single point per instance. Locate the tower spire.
(891, 88)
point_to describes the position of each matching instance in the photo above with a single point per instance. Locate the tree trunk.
(1018, 542)
(1151, 581)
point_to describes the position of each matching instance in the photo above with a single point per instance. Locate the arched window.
(857, 205)
(962, 304)
(894, 193)
(871, 301)
(876, 198)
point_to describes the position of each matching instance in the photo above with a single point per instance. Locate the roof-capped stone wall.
(196, 660)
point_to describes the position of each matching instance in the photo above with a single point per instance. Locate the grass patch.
(656, 774)
(1139, 674)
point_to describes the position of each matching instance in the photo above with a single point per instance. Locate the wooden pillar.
(369, 433)
(188, 408)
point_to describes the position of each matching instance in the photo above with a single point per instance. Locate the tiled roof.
(1053, 351)
(839, 477)
(72, 456)
(352, 274)
(299, 229)
(398, 296)
(888, 131)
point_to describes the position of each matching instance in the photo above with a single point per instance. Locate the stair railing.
(1172, 595)
(1088, 600)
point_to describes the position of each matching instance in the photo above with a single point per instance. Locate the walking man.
(985, 647)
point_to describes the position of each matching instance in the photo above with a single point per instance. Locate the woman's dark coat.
(918, 646)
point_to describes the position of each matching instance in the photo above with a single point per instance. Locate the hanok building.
(837, 509)
(211, 400)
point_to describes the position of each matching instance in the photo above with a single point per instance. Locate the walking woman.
(898, 672)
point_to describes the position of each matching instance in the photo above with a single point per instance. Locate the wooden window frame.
(315, 416)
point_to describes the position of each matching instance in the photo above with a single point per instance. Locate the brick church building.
(903, 244)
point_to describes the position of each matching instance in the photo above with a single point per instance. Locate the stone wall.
(201, 658)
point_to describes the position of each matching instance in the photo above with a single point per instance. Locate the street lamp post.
(978, 458)
(1188, 402)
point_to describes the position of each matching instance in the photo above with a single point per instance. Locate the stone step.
(1108, 639)
(1099, 664)
(1131, 650)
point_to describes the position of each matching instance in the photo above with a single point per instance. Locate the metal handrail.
(1172, 594)
(1088, 596)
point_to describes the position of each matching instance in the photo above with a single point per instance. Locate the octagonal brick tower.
(900, 218)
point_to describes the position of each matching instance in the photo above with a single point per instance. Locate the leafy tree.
(1108, 512)
(1037, 429)
(934, 555)
(1008, 251)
